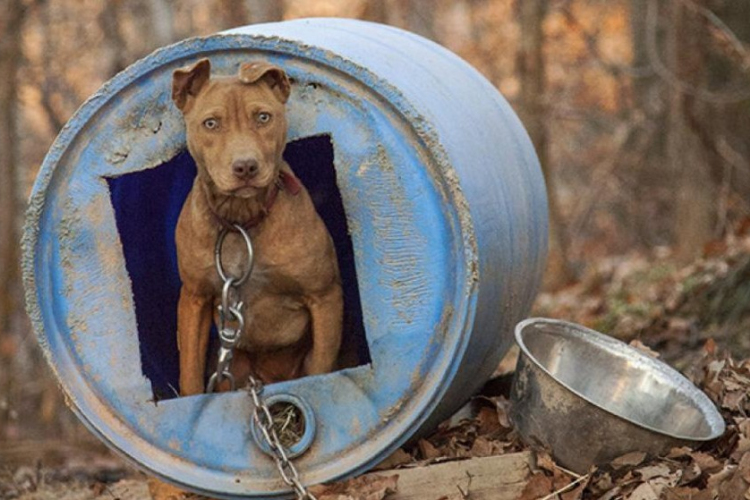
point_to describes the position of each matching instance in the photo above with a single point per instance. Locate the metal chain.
(264, 422)
(230, 311)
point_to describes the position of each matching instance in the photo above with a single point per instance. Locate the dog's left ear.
(187, 82)
(273, 75)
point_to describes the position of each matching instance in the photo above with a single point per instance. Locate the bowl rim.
(601, 341)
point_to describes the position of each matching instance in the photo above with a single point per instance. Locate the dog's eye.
(264, 117)
(211, 123)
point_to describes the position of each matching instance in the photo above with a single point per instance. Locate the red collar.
(286, 181)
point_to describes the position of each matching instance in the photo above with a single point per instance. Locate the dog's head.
(236, 126)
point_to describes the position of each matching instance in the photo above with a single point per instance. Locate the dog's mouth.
(246, 191)
(249, 188)
(227, 185)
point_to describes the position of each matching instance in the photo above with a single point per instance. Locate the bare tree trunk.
(649, 108)
(644, 80)
(420, 17)
(376, 11)
(50, 78)
(695, 190)
(235, 13)
(532, 74)
(109, 23)
(162, 22)
(265, 11)
(10, 57)
(729, 123)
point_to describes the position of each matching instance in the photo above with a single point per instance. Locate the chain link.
(230, 311)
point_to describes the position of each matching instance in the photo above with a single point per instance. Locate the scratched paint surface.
(445, 202)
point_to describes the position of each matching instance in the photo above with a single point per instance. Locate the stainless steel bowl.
(589, 398)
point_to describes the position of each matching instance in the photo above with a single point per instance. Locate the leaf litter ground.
(696, 317)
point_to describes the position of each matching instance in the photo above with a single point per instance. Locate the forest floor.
(694, 317)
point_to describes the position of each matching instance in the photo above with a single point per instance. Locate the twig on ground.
(566, 487)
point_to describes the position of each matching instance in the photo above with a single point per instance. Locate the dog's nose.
(245, 168)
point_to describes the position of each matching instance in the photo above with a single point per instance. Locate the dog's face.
(236, 126)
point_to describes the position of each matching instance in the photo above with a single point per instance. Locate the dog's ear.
(188, 82)
(273, 75)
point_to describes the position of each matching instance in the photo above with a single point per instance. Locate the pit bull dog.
(236, 132)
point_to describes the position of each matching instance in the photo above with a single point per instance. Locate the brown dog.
(236, 132)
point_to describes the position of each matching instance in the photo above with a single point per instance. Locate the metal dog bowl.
(589, 398)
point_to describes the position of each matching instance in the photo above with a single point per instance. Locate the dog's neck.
(231, 210)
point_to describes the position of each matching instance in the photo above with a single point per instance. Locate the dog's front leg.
(327, 312)
(194, 314)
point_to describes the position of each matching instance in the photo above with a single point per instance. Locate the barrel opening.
(293, 421)
(147, 205)
(288, 422)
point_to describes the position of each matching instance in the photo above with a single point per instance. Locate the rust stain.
(393, 410)
(175, 444)
(356, 426)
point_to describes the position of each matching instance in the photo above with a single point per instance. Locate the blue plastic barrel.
(424, 176)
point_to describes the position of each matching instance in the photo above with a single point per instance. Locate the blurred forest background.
(639, 110)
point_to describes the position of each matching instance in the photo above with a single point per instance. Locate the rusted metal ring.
(217, 256)
(308, 435)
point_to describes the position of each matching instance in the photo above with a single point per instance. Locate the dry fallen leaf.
(652, 471)
(396, 459)
(629, 460)
(489, 421)
(159, 489)
(367, 487)
(539, 486)
(544, 461)
(680, 452)
(427, 451)
(576, 492)
(690, 473)
(661, 484)
(706, 462)
(611, 494)
(682, 493)
(502, 405)
(644, 348)
(603, 482)
(483, 447)
(717, 478)
(643, 492)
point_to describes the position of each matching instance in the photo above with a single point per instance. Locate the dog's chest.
(269, 270)
(275, 314)
(274, 311)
